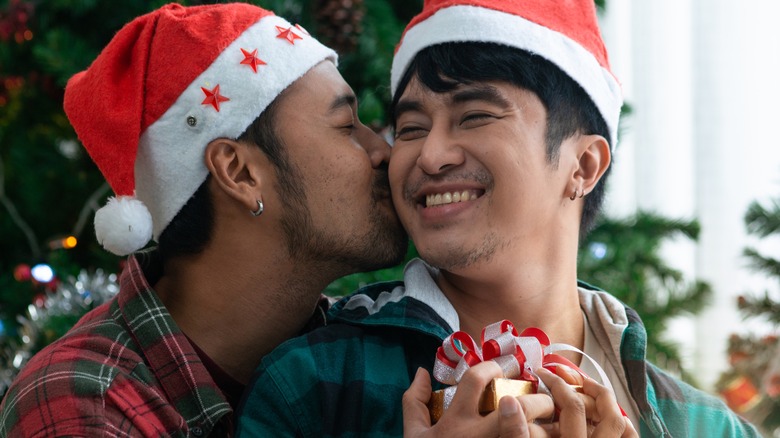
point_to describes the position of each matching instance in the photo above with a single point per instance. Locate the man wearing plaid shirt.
(505, 115)
(230, 138)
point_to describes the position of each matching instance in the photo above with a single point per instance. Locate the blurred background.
(691, 232)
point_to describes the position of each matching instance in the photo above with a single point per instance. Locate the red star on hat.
(213, 97)
(287, 34)
(299, 27)
(251, 59)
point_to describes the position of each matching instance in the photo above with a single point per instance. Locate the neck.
(530, 293)
(235, 311)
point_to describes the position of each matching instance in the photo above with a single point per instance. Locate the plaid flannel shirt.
(347, 379)
(125, 370)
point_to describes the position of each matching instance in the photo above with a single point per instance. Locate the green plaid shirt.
(125, 370)
(347, 379)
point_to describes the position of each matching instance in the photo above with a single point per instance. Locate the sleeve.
(688, 411)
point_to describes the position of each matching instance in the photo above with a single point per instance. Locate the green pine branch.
(760, 263)
(763, 221)
(622, 257)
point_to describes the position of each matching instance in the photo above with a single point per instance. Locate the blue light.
(598, 250)
(42, 273)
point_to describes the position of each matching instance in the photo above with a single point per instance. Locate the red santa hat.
(564, 32)
(167, 84)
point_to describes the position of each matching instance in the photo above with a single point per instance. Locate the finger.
(630, 430)
(569, 375)
(511, 421)
(607, 409)
(541, 430)
(537, 407)
(416, 416)
(471, 387)
(609, 420)
(620, 427)
(572, 421)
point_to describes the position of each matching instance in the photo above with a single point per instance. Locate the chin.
(453, 258)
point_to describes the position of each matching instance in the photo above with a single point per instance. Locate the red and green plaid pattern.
(125, 370)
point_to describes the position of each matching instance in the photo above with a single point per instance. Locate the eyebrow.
(404, 106)
(341, 101)
(484, 93)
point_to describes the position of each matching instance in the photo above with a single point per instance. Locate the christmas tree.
(622, 257)
(751, 386)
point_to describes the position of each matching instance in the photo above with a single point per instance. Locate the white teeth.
(449, 198)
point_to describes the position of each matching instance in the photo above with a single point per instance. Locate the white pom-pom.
(123, 225)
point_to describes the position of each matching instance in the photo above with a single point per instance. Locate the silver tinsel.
(73, 297)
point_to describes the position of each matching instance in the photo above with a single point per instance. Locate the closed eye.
(409, 133)
(476, 119)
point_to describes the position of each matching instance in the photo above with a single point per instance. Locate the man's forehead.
(323, 88)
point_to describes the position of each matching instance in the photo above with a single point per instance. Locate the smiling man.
(506, 117)
(230, 138)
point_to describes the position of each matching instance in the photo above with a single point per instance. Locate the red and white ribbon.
(518, 355)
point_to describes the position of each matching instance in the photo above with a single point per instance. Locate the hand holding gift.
(513, 418)
(523, 359)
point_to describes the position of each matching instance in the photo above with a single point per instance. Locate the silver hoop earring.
(259, 210)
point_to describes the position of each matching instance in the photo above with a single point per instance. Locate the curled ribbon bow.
(518, 355)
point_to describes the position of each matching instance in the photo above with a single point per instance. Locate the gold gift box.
(496, 389)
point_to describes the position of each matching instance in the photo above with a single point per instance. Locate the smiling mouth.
(445, 198)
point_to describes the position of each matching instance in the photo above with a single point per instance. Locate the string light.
(42, 272)
(68, 242)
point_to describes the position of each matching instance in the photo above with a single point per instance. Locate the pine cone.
(340, 23)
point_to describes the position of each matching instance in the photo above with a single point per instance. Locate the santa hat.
(565, 32)
(167, 84)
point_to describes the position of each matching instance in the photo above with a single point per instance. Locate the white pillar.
(702, 76)
(654, 168)
(736, 95)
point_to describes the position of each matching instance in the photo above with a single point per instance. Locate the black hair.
(190, 230)
(570, 110)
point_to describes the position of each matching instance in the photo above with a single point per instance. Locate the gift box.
(488, 403)
(496, 389)
(518, 355)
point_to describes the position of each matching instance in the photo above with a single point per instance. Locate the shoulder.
(78, 377)
(687, 411)
(341, 379)
(338, 352)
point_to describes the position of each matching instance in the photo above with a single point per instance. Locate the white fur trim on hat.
(487, 25)
(123, 225)
(169, 165)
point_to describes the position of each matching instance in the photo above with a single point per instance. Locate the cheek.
(402, 160)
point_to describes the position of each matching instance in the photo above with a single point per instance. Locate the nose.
(376, 147)
(439, 152)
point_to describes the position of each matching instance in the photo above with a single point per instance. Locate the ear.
(594, 158)
(234, 171)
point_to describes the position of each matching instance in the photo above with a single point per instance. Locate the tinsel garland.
(49, 318)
